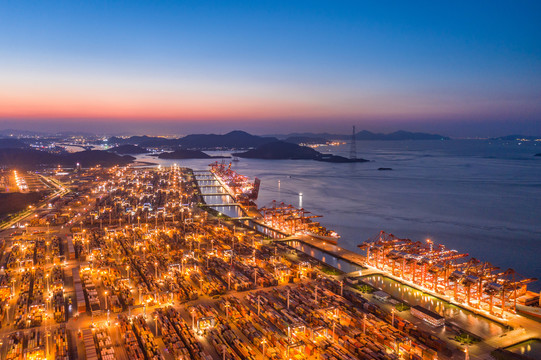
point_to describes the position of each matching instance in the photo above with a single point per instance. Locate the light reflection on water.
(531, 348)
(454, 314)
(333, 261)
(226, 200)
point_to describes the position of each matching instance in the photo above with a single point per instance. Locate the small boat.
(235, 159)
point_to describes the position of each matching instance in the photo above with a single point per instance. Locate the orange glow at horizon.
(141, 106)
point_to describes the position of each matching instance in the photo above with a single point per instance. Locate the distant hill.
(281, 150)
(143, 141)
(187, 154)
(368, 135)
(538, 154)
(11, 143)
(29, 158)
(306, 140)
(128, 150)
(232, 140)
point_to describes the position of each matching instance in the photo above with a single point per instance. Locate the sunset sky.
(463, 69)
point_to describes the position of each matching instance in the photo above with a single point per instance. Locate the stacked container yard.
(90, 346)
(35, 345)
(15, 347)
(146, 338)
(60, 342)
(131, 345)
(79, 293)
(104, 344)
(185, 338)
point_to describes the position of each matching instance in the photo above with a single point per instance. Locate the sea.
(481, 197)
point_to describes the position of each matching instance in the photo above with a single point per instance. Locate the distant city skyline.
(460, 69)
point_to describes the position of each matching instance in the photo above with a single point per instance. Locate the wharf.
(328, 247)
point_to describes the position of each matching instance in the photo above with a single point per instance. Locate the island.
(281, 150)
(232, 140)
(538, 154)
(187, 154)
(128, 149)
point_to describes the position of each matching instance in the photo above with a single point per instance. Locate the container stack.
(131, 345)
(60, 344)
(104, 344)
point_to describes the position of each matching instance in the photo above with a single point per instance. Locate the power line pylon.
(353, 148)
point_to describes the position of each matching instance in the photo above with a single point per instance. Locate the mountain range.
(368, 135)
(232, 140)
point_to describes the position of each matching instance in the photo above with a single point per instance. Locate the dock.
(328, 247)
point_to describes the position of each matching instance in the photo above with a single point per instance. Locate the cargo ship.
(329, 236)
(293, 221)
(240, 187)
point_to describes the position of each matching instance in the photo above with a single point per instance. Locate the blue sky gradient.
(463, 68)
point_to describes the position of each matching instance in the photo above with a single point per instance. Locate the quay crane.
(446, 272)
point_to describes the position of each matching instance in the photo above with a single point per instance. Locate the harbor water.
(530, 348)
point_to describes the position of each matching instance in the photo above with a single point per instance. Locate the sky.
(461, 68)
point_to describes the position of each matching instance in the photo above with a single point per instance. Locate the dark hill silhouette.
(232, 140)
(128, 149)
(29, 158)
(281, 150)
(306, 140)
(187, 154)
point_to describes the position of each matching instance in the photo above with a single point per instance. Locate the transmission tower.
(353, 148)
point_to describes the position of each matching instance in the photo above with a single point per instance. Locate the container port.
(131, 263)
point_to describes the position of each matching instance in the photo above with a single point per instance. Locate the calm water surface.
(531, 348)
(453, 314)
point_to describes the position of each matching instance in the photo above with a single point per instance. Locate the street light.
(264, 342)
(364, 324)
(255, 277)
(229, 281)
